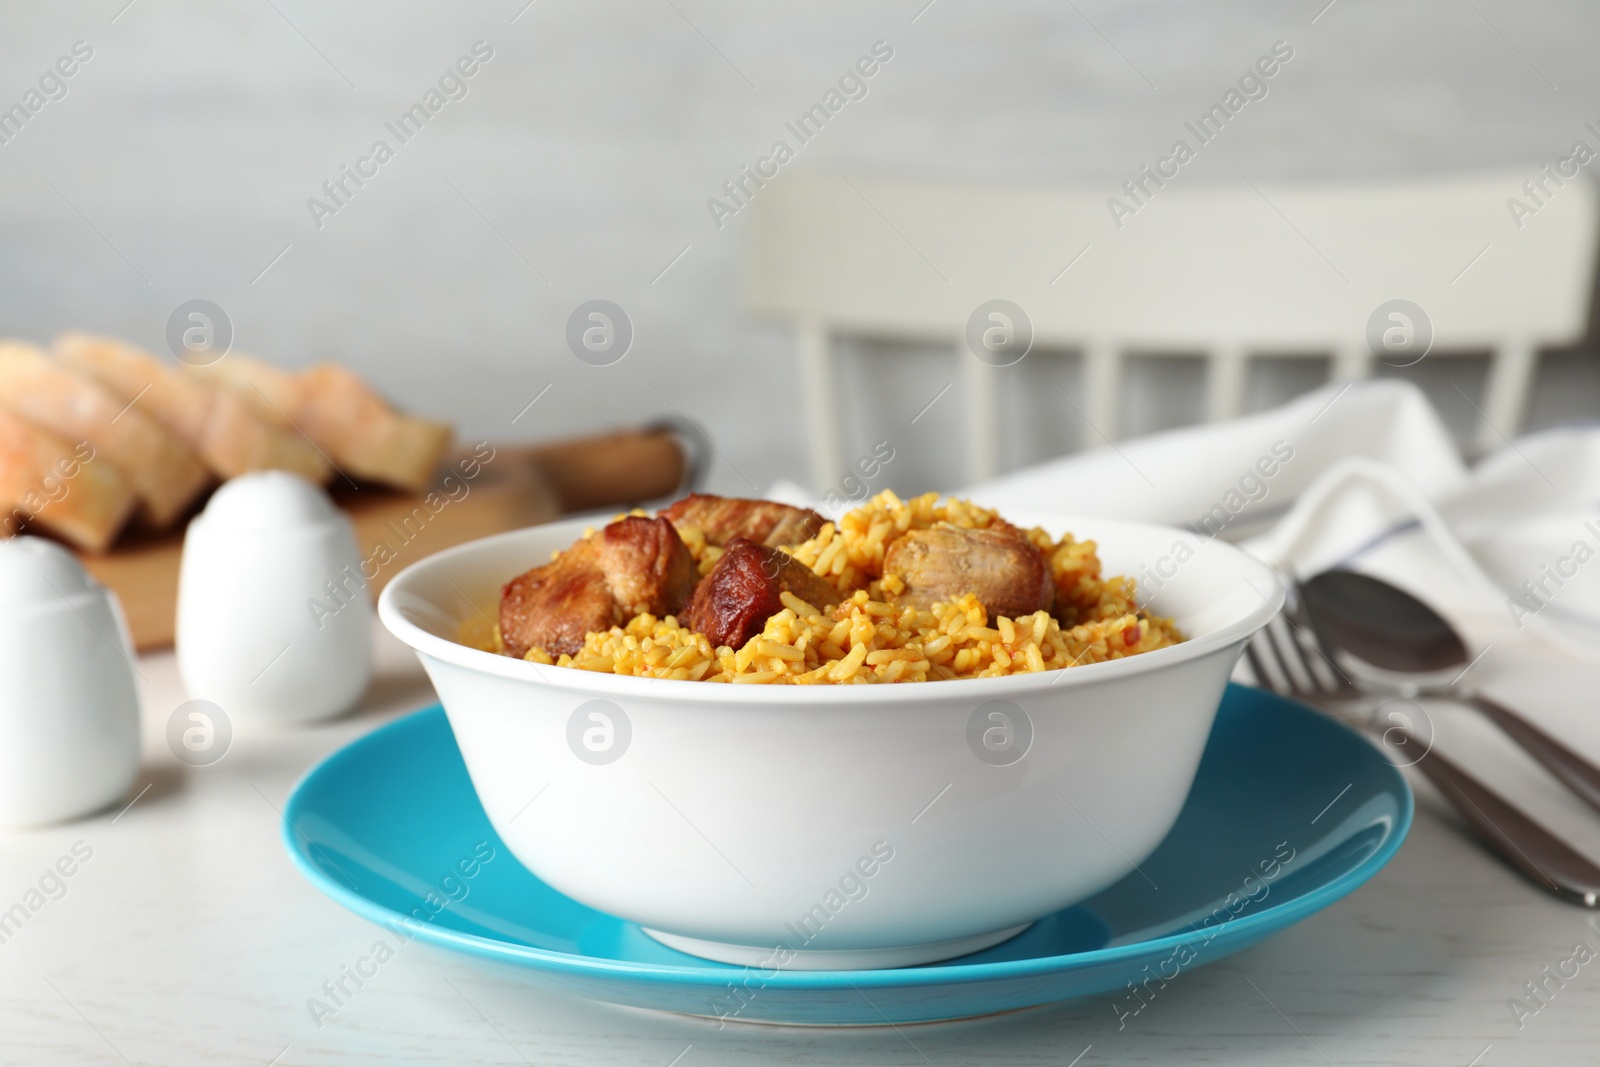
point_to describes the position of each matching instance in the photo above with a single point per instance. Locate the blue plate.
(1289, 812)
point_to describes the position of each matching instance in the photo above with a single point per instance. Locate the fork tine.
(1319, 663)
(1280, 636)
(1328, 672)
(1263, 679)
(1295, 655)
(1262, 651)
(1281, 664)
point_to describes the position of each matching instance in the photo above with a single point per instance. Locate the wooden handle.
(612, 469)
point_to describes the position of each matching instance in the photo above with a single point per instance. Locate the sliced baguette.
(364, 435)
(242, 441)
(272, 392)
(227, 432)
(65, 488)
(163, 472)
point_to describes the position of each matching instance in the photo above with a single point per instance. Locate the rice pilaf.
(868, 639)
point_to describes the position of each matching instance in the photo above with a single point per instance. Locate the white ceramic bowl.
(837, 826)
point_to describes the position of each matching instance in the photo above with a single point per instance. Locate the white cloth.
(1177, 476)
(1509, 551)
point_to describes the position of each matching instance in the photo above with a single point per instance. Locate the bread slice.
(227, 431)
(164, 473)
(364, 435)
(67, 489)
(182, 406)
(272, 392)
(240, 440)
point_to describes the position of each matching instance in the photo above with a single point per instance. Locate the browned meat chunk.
(552, 607)
(723, 518)
(634, 565)
(647, 568)
(1007, 574)
(741, 593)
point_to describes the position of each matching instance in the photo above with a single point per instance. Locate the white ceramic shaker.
(69, 717)
(274, 618)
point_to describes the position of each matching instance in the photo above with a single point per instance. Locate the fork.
(1279, 660)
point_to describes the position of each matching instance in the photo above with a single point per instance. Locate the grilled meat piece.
(634, 565)
(723, 518)
(646, 566)
(736, 599)
(1008, 575)
(552, 607)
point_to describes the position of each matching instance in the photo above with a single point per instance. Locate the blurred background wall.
(578, 166)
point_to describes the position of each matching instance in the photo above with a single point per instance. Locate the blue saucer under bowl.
(1289, 812)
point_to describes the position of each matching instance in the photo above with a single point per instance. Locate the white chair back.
(1231, 272)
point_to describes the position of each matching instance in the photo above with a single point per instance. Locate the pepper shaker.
(69, 722)
(274, 619)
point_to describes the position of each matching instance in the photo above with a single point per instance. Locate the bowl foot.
(835, 959)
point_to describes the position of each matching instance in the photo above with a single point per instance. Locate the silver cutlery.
(1383, 626)
(1287, 658)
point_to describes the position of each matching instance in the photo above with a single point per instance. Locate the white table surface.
(189, 938)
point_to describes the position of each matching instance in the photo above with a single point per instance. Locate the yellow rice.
(867, 639)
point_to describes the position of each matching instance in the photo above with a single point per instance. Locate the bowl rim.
(392, 614)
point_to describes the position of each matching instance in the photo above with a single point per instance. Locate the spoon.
(1383, 626)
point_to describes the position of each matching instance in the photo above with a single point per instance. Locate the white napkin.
(1365, 475)
(1180, 476)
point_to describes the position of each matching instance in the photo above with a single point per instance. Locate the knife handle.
(1530, 848)
(1575, 772)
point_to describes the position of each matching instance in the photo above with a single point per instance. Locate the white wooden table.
(188, 937)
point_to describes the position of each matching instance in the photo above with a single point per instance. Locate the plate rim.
(1239, 929)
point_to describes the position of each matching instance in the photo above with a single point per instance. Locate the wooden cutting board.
(517, 486)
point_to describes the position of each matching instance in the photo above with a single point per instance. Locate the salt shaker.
(69, 721)
(274, 620)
